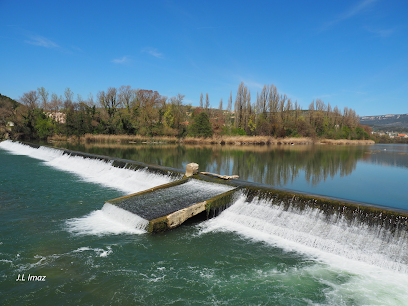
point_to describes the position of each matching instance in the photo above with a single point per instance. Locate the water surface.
(53, 225)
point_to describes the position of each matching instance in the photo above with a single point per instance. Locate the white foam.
(42, 153)
(100, 252)
(101, 172)
(375, 270)
(356, 284)
(91, 170)
(109, 220)
(310, 232)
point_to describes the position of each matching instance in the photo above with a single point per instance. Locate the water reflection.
(272, 165)
(394, 155)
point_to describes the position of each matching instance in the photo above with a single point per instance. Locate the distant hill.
(386, 122)
(5, 99)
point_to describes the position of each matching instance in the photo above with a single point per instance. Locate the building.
(57, 116)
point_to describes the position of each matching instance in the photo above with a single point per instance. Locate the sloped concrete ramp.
(167, 206)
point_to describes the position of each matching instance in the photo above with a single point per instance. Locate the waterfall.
(311, 229)
(100, 171)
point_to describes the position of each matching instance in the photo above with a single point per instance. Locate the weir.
(352, 211)
(365, 232)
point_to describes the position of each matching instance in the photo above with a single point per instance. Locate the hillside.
(5, 99)
(386, 122)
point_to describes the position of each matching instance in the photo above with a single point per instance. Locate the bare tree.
(111, 101)
(79, 98)
(30, 99)
(297, 110)
(246, 107)
(101, 98)
(229, 111)
(125, 95)
(337, 116)
(282, 103)
(207, 102)
(220, 106)
(201, 101)
(56, 103)
(274, 102)
(288, 111)
(311, 112)
(90, 101)
(69, 98)
(262, 100)
(43, 95)
(320, 106)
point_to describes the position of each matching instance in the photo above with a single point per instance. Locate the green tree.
(43, 126)
(201, 127)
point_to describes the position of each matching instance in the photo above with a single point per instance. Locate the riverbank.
(234, 140)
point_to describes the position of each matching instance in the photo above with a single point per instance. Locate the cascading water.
(309, 229)
(91, 170)
(109, 219)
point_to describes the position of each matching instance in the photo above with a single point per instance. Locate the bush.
(238, 132)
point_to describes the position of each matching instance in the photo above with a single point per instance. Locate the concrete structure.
(191, 169)
(168, 206)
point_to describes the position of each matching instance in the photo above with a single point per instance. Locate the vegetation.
(384, 138)
(127, 111)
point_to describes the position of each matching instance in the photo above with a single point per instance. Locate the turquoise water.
(52, 225)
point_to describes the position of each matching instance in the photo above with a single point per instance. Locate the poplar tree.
(207, 102)
(239, 104)
(229, 112)
(201, 101)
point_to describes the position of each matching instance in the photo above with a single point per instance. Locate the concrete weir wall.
(387, 218)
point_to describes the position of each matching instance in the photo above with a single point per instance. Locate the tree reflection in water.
(275, 165)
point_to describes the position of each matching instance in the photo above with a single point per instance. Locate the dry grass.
(230, 140)
(61, 138)
(346, 142)
(101, 138)
(247, 140)
(88, 138)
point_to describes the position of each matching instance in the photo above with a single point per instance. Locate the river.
(53, 225)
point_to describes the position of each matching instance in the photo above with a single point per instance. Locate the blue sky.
(347, 53)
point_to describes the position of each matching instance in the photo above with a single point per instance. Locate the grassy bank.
(230, 140)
